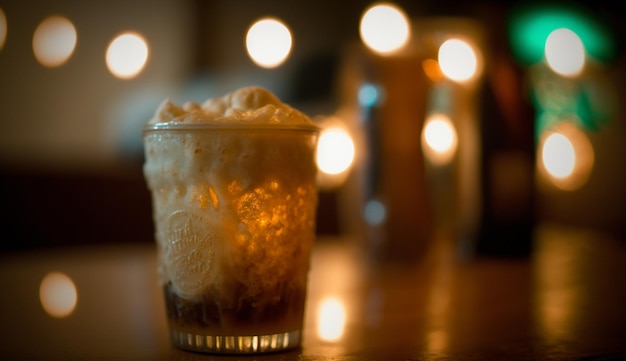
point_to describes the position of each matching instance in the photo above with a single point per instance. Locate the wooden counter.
(566, 302)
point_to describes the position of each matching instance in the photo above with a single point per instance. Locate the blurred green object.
(530, 26)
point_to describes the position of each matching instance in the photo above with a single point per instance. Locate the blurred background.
(79, 79)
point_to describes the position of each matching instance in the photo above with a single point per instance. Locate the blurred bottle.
(484, 196)
(504, 225)
(507, 168)
(387, 193)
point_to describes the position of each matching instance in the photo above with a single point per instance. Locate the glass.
(234, 210)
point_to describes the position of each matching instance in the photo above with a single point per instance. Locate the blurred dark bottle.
(504, 225)
(507, 168)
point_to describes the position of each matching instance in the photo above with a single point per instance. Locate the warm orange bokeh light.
(384, 28)
(54, 41)
(127, 55)
(58, 295)
(3, 28)
(439, 139)
(268, 42)
(566, 156)
(458, 60)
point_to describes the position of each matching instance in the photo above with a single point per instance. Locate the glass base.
(235, 344)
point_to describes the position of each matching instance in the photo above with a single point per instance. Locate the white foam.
(252, 105)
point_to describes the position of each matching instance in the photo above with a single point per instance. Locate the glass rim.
(186, 127)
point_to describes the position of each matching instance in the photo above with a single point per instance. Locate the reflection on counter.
(58, 294)
(565, 290)
(331, 319)
(564, 303)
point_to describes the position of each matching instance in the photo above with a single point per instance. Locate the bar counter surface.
(567, 301)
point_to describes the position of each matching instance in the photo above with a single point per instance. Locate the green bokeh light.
(530, 27)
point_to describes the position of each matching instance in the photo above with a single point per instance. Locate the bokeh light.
(432, 70)
(3, 28)
(127, 55)
(458, 60)
(374, 212)
(58, 295)
(331, 319)
(558, 155)
(54, 41)
(268, 42)
(370, 95)
(530, 25)
(384, 28)
(439, 139)
(565, 53)
(566, 156)
(335, 150)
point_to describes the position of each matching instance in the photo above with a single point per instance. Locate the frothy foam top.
(252, 105)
